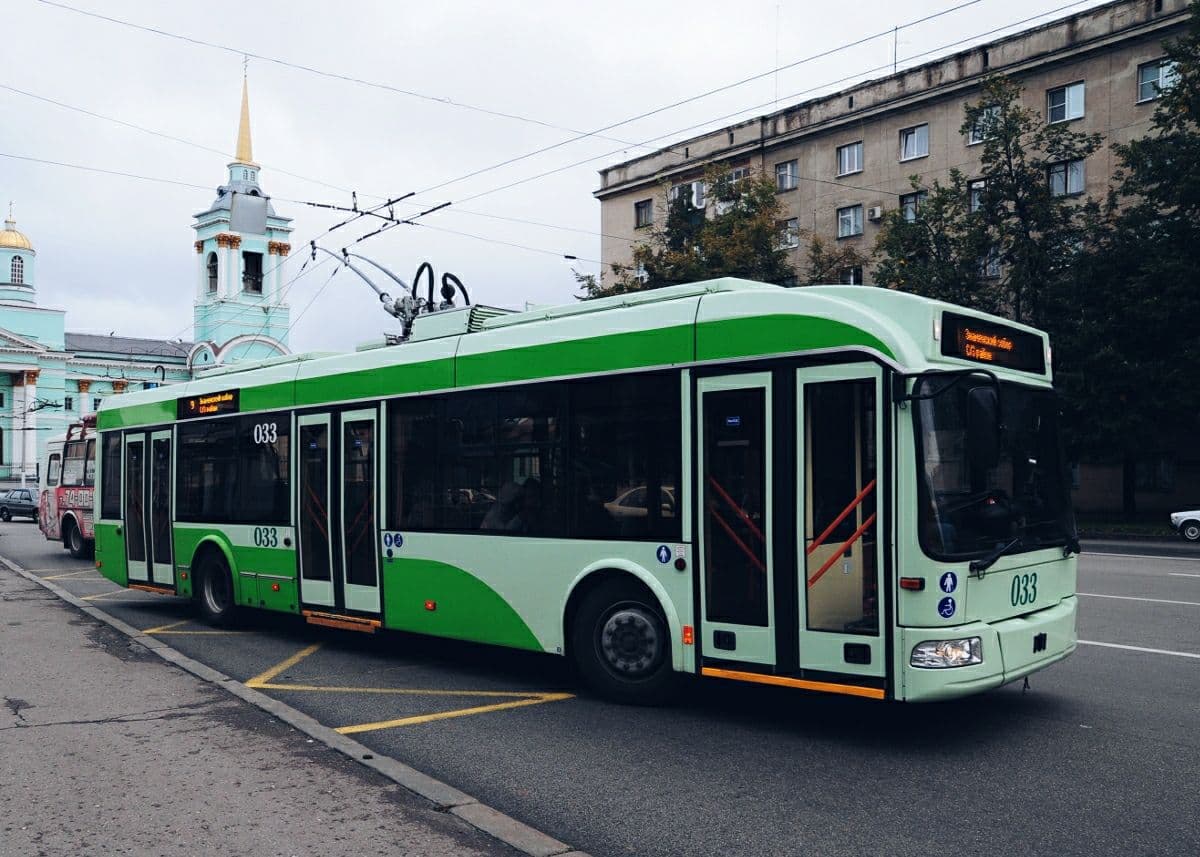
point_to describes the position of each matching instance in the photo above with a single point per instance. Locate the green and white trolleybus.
(843, 489)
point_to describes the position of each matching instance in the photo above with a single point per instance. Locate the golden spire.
(245, 153)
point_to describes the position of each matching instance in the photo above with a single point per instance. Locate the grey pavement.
(105, 748)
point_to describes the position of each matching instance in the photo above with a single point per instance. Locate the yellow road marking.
(162, 628)
(264, 677)
(170, 629)
(511, 694)
(68, 574)
(106, 594)
(446, 715)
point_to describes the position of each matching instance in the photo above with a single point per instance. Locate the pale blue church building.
(50, 377)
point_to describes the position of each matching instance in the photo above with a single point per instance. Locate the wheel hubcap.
(1192, 532)
(630, 642)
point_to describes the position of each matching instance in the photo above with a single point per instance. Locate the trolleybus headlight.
(939, 654)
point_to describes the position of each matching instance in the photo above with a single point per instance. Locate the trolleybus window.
(967, 510)
(234, 470)
(110, 490)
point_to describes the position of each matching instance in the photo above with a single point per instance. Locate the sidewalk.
(106, 748)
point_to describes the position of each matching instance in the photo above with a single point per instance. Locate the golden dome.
(11, 239)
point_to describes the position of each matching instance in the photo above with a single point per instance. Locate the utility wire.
(387, 87)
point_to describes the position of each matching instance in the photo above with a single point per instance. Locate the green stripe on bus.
(771, 334)
(657, 347)
(465, 607)
(153, 413)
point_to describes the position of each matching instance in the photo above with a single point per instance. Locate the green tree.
(1127, 331)
(826, 263)
(1003, 240)
(740, 239)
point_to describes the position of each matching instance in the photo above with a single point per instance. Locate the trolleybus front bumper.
(1011, 649)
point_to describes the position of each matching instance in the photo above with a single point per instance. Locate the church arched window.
(212, 272)
(18, 270)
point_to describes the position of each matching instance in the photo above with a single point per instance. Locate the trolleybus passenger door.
(840, 582)
(734, 479)
(135, 508)
(158, 521)
(315, 518)
(358, 530)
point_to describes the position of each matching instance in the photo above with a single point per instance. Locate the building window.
(910, 204)
(789, 233)
(1154, 78)
(729, 193)
(1064, 102)
(850, 158)
(18, 271)
(914, 142)
(989, 266)
(1066, 179)
(640, 273)
(68, 403)
(787, 175)
(212, 272)
(96, 403)
(983, 126)
(643, 213)
(1, 400)
(975, 192)
(252, 273)
(694, 190)
(851, 276)
(850, 221)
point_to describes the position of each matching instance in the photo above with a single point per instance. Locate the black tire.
(213, 589)
(5, 515)
(74, 541)
(621, 644)
(1190, 530)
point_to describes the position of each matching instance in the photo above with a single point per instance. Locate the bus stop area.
(107, 747)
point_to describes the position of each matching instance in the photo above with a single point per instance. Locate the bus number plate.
(1023, 590)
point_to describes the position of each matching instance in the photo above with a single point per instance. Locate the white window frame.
(17, 271)
(975, 135)
(850, 217)
(643, 205)
(1073, 177)
(975, 186)
(789, 233)
(851, 276)
(989, 266)
(695, 188)
(787, 178)
(1069, 103)
(852, 167)
(914, 133)
(1166, 69)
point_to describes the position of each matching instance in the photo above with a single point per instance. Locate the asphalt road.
(1100, 756)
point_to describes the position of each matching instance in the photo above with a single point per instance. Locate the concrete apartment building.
(841, 161)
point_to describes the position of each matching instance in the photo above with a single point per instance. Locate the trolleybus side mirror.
(983, 428)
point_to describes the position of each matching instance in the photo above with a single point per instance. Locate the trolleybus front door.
(338, 474)
(734, 478)
(148, 507)
(840, 580)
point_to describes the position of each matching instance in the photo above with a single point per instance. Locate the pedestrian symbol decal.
(946, 607)
(949, 582)
(664, 554)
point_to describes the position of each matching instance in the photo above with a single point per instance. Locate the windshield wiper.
(979, 566)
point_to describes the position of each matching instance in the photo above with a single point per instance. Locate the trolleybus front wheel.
(214, 589)
(621, 644)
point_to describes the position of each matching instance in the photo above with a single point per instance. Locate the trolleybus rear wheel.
(214, 589)
(621, 644)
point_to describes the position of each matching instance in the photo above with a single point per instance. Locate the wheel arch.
(217, 543)
(597, 573)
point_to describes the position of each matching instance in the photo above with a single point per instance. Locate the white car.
(1187, 524)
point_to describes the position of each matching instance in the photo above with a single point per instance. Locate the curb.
(445, 798)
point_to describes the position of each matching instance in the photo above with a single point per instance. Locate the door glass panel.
(160, 500)
(135, 524)
(314, 502)
(735, 526)
(840, 526)
(358, 516)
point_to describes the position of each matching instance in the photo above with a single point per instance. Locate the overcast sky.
(116, 252)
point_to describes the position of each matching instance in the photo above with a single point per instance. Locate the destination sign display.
(997, 344)
(207, 405)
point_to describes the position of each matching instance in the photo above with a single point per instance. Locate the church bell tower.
(240, 312)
